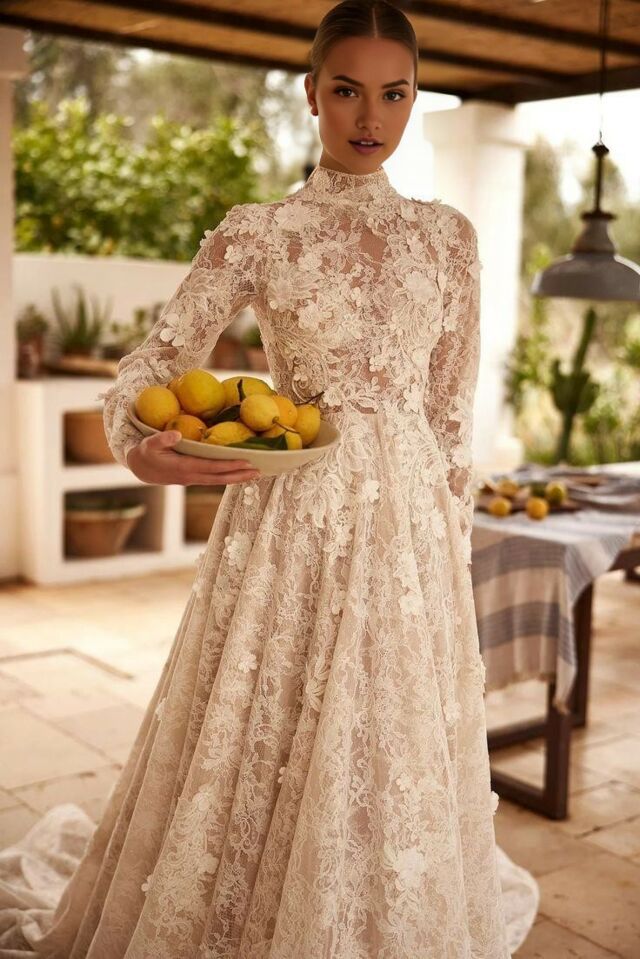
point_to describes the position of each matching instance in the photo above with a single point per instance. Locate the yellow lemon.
(536, 507)
(190, 426)
(156, 405)
(506, 487)
(288, 410)
(230, 431)
(259, 412)
(292, 437)
(173, 385)
(308, 423)
(199, 391)
(555, 491)
(250, 385)
(499, 506)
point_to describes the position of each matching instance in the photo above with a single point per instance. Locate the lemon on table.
(288, 410)
(191, 427)
(227, 432)
(259, 412)
(537, 507)
(200, 391)
(156, 405)
(555, 492)
(499, 506)
(308, 423)
(292, 437)
(250, 385)
(507, 487)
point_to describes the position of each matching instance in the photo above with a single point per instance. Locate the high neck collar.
(328, 184)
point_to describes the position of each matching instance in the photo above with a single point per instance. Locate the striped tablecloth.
(526, 576)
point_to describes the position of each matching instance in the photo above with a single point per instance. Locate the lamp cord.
(603, 29)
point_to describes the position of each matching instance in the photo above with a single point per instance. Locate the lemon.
(230, 431)
(288, 410)
(555, 491)
(308, 423)
(499, 506)
(199, 391)
(507, 487)
(190, 426)
(156, 405)
(292, 437)
(250, 385)
(259, 412)
(173, 385)
(536, 507)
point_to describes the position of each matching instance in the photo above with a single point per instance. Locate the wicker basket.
(85, 440)
(100, 532)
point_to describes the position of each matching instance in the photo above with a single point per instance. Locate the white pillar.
(13, 64)
(478, 154)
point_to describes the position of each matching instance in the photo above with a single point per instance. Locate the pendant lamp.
(593, 270)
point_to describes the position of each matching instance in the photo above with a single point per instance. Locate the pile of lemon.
(241, 411)
(537, 504)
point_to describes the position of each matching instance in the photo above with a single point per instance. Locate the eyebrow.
(356, 83)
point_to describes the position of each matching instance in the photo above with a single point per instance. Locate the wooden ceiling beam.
(181, 49)
(197, 13)
(549, 32)
(621, 78)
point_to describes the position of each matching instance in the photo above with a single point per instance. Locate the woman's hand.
(155, 461)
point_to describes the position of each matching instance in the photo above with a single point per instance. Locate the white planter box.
(44, 478)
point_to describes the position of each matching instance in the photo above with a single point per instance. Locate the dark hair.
(361, 18)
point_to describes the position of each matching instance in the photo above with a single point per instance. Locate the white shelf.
(45, 478)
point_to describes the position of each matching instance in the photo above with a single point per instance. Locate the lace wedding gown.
(311, 777)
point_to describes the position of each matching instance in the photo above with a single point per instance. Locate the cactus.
(574, 392)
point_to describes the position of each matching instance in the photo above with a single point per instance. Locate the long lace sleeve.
(454, 361)
(224, 277)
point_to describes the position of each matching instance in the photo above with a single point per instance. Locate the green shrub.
(84, 185)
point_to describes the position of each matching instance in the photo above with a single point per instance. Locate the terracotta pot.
(227, 354)
(257, 358)
(85, 440)
(30, 358)
(200, 512)
(100, 532)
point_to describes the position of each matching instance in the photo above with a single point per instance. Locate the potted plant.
(99, 524)
(126, 336)
(80, 329)
(256, 356)
(31, 328)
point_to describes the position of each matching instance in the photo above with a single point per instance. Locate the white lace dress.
(311, 777)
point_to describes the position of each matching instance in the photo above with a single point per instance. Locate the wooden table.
(555, 727)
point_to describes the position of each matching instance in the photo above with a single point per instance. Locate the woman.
(311, 778)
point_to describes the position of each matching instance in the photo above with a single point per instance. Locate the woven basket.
(100, 532)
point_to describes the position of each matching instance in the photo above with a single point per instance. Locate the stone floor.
(78, 665)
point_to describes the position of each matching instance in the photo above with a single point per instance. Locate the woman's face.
(373, 102)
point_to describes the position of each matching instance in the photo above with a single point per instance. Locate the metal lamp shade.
(593, 270)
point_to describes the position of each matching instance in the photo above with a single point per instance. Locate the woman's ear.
(311, 93)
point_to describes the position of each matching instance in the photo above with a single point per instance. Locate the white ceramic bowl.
(269, 462)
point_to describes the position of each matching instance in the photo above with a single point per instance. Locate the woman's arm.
(224, 277)
(454, 362)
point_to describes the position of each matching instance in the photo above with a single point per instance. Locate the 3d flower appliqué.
(247, 663)
(238, 547)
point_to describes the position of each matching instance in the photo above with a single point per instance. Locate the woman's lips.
(365, 149)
